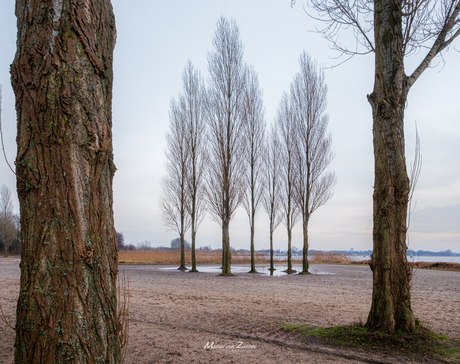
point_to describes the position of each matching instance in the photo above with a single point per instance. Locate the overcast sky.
(155, 40)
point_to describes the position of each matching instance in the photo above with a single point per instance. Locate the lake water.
(358, 258)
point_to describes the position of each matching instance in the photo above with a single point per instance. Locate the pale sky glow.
(155, 40)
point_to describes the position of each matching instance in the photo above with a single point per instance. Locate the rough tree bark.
(391, 305)
(62, 79)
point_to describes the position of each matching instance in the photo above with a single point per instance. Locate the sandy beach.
(181, 317)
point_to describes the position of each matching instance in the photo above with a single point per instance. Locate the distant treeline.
(175, 244)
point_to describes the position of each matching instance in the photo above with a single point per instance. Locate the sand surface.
(180, 317)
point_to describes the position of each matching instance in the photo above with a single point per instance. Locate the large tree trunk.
(391, 305)
(62, 79)
(305, 264)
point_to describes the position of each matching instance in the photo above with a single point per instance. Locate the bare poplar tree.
(254, 135)
(314, 185)
(192, 102)
(273, 187)
(286, 126)
(7, 219)
(392, 30)
(175, 198)
(62, 80)
(225, 179)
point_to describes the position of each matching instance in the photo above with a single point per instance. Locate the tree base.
(193, 271)
(226, 274)
(253, 271)
(305, 273)
(289, 271)
(272, 269)
(182, 268)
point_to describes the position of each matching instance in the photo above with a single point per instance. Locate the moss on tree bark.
(391, 305)
(62, 79)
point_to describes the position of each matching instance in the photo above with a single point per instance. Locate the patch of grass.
(298, 328)
(422, 341)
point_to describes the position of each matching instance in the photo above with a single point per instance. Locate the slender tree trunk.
(289, 258)
(182, 251)
(391, 306)
(305, 264)
(62, 79)
(253, 262)
(194, 215)
(226, 253)
(182, 225)
(193, 248)
(289, 269)
(272, 268)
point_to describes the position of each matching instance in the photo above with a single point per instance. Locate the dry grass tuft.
(123, 314)
(5, 320)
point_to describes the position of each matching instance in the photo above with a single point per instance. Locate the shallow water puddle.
(261, 269)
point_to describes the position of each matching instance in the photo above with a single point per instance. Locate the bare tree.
(254, 135)
(314, 184)
(225, 179)
(176, 244)
(392, 30)
(120, 240)
(273, 187)
(62, 79)
(175, 197)
(7, 219)
(192, 102)
(286, 124)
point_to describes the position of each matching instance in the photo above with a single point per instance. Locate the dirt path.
(178, 317)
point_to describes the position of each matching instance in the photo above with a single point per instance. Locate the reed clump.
(450, 266)
(329, 258)
(171, 257)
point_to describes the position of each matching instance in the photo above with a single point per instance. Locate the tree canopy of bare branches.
(254, 135)
(392, 30)
(431, 25)
(225, 120)
(314, 184)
